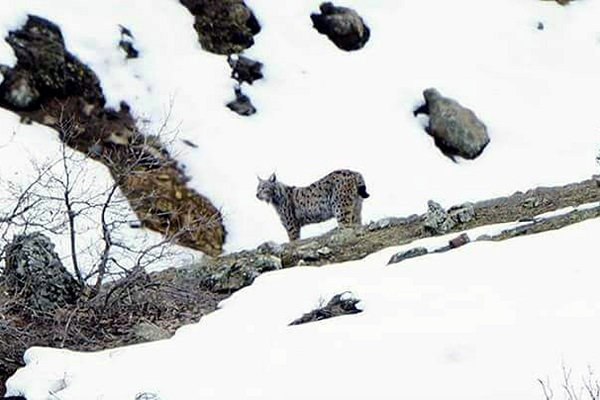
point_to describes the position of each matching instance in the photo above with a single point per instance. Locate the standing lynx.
(339, 194)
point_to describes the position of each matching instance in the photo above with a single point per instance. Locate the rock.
(343, 26)
(242, 104)
(126, 43)
(463, 213)
(45, 69)
(405, 255)
(437, 220)
(244, 69)
(226, 275)
(272, 248)
(223, 26)
(148, 332)
(34, 271)
(19, 91)
(456, 130)
(459, 241)
(340, 304)
(325, 252)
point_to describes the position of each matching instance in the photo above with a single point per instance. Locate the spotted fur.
(339, 194)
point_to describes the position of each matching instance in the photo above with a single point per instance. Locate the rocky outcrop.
(34, 272)
(230, 272)
(439, 221)
(342, 25)
(50, 86)
(340, 304)
(223, 26)
(456, 130)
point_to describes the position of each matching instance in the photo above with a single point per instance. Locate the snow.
(488, 318)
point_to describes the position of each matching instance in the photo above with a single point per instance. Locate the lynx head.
(268, 189)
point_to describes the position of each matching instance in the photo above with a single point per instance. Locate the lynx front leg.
(293, 233)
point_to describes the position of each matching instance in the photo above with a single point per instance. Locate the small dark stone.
(130, 51)
(540, 26)
(336, 307)
(244, 69)
(405, 255)
(242, 104)
(459, 241)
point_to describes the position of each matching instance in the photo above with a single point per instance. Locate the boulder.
(456, 130)
(342, 25)
(45, 69)
(34, 271)
(223, 26)
(437, 220)
(229, 274)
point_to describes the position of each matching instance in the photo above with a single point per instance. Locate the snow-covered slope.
(484, 321)
(320, 108)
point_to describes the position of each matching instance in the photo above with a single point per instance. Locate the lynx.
(339, 194)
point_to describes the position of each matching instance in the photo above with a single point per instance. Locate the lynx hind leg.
(357, 219)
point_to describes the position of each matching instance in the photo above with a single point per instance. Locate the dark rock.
(19, 91)
(34, 271)
(405, 255)
(45, 69)
(459, 241)
(340, 304)
(456, 130)
(242, 104)
(244, 69)
(540, 26)
(129, 49)
(126, 43)
(223, 26)
(343, 26)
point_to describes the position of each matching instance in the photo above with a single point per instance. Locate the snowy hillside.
(484, 321)
(320, 108)
(487, 320)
